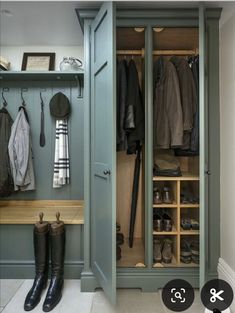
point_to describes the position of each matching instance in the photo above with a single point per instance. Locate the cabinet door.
(203, 146)
(103, 149)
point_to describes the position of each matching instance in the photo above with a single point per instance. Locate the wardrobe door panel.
(103, 150)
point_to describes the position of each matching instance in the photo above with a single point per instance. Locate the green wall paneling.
(17, 256)
(44, 157)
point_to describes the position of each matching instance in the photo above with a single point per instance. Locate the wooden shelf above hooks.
(40, 76)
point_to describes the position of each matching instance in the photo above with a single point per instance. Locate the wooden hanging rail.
(158, 52)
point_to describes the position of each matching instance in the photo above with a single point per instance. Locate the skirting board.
(227, 273)
(26, 269)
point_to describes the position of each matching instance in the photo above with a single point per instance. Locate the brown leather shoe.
(157, 198)
(167, 195)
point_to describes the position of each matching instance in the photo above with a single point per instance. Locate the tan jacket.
(167, 118)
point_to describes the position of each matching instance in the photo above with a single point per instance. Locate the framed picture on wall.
(38, 61)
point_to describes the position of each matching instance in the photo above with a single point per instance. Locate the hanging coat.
(6, 180)
(20, 153)
(187, 91)
(121, 104)
(134, 119)
(167, 110)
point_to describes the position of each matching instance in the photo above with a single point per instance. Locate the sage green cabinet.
(100, 149)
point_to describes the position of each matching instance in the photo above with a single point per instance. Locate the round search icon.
(178, 295)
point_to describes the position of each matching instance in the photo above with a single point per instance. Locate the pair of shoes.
(189, 252)
(44, 233)
(189, 223)
(187, 196)
(119, 242)
(162, 250)
(162, 222)
(162, 197)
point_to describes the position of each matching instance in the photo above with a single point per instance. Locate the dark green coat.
(6, 182)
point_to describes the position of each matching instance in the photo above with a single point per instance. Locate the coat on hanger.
(20, 153)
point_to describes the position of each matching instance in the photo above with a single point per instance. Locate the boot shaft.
(57, 240)
(41, 247)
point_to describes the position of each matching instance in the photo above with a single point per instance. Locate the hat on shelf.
(4, 64)
(60, 106)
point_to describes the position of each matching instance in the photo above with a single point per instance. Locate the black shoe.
(41, 253)
(118, 253)
(54, 293)
(157, 223)
(119, 239)
(167, 222)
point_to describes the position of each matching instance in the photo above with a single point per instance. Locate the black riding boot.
(57, 238)
(41, 253)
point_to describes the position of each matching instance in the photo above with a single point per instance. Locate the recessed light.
(6, 13)
(139, 29)
(158, 29)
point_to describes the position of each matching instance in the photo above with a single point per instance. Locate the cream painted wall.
(227, 107)
(15, 53)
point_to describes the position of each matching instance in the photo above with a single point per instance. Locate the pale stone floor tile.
(1, 308)
(128, 301)
(73, 301)
(8, 288)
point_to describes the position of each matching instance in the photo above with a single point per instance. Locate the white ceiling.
(55, 22)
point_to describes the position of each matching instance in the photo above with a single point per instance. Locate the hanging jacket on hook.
(20, 153)
(6, 181)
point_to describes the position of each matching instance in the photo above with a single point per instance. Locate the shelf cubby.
(191, 210)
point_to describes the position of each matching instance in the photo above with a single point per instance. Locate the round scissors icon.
(216, 295)
(178, 295)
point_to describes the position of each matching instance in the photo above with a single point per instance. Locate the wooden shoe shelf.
(177, 210)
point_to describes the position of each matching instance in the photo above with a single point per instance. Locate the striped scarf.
(61, 161)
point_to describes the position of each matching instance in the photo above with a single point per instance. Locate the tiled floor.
(13, 292)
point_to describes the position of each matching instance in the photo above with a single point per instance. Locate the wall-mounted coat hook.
(4, 100)
(22, 98)
(78, 80)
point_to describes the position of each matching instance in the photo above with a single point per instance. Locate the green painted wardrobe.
(114, 32)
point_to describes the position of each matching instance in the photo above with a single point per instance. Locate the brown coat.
(167, 118)
(187, 91)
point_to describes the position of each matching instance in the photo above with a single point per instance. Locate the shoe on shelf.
(167, 251)
(157, 198)
(118, 227)
(157, 251)
(188, 197)
(185, 252)
(194, 224)
(167, 222)
(186, 223)
(194, 246)
(195, 259)
(167, 195)
(157, 222)
(119, 239)
(118, 253)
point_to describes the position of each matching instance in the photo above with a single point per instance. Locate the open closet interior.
(175, 147)
(130, 149)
